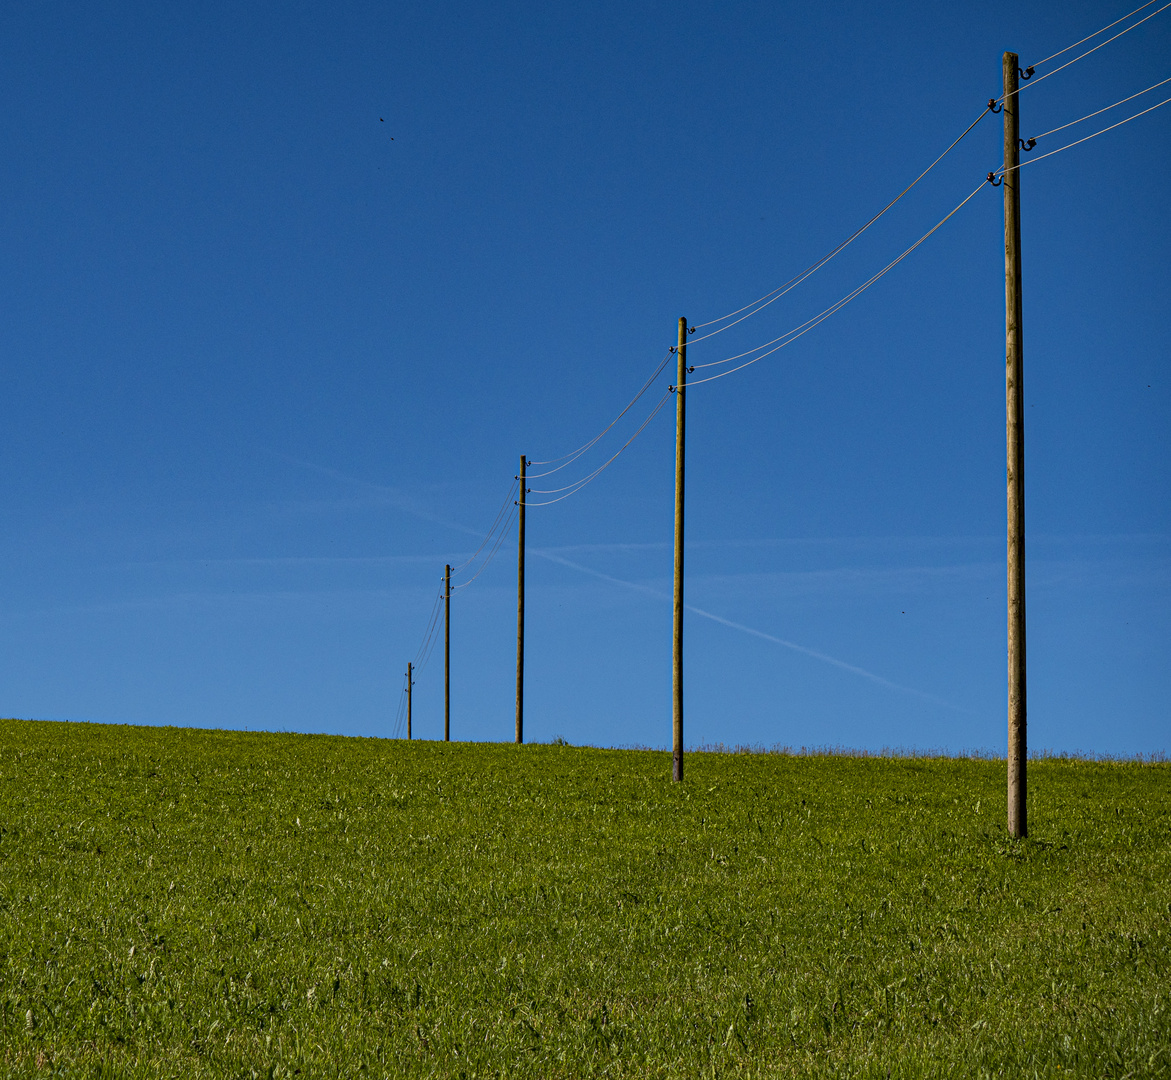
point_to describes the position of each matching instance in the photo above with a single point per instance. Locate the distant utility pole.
(447, 654)
(677, 649)
(520, 607)
(410, 687)
(1015, 415)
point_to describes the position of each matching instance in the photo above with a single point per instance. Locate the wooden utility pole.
(447, 654)
(1015, 416)
(677, 649)
(520, 606)
(410, 687)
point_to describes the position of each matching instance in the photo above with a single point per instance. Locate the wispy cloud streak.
(551, 555)
(783, 642)
(391, 496)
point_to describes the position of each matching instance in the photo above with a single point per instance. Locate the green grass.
(196, 903)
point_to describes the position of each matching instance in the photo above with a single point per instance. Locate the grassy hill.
(208, 903)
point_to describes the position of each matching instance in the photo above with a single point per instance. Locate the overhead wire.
(576, 483)
(430, 634)
(398, 719)
(785, 339)
(1089, 116)
(748, 310)
(764, 301)
(796, 331)
(1069, 146)
(423, 653)
(1108, 26)
(1088, 52)
(570, 458)
(761, 303)
(499, 514)
(507, 515)
(429, 645)
(492, 554)
(579, 484)
(805, 327)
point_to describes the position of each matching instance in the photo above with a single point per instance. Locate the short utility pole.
(447, 654)
(410, 687)
(1015, 416)
(520, 606)
(677, 636)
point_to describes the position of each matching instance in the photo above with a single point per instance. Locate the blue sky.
(287, 289)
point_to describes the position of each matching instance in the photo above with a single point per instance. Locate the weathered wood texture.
(1015, 432)
(520, 605)
(447, 654)
(677, 641)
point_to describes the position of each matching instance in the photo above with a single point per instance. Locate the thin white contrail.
(391, 496)
(804, 650)
(406, 503)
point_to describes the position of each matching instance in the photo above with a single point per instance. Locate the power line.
(578, 482)
(578, 485)
(780, 291)
(492, 554)
(570, 458)
(507, 515)
(764, 301)
(1069, 146)
(430, 634)
(431, 621)
(799, 331)
(1115, 37)
(427, 643)
(429, 646)
(1095, 34)
(499, 514)
(804, 328)
(810, 323)
(398, 719)
(1088, 116)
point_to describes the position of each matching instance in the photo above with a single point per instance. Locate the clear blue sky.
(288, 288)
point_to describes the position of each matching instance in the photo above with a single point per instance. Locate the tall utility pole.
(677, 650)
(520, 607)
(447, 654)
(1015, 415)
(410, 687)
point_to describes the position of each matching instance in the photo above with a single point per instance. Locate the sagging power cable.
(762, 302)
(1069, 63)
(787, 339)
(402, 708)
(570, 458)
(769, 298)
(1090, 37)
(817, 320)
(500, 514)
(491, 554)
(1090, 116)
(576, 486)
(1069, 146)
(427, 644)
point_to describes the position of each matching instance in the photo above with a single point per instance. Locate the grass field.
(197, 903)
